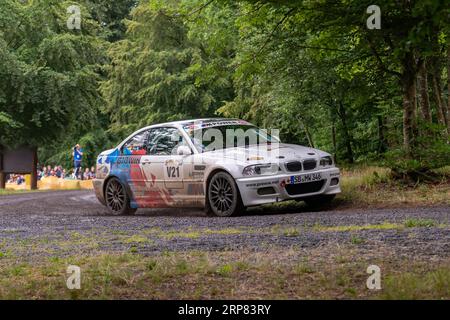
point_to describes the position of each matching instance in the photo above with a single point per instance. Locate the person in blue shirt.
(77, 158)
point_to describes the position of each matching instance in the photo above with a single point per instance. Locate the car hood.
(269, 153)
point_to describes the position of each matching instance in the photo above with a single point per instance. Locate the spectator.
(39, 174)
(11, 178)
(20, 179)
(86, 174)
(58, 171)
(77, 159)
(49, 171)
(92, 173)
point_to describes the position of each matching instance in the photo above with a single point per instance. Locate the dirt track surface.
(57, 223)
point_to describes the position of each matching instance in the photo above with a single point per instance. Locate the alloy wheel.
(116, 198)
(223, 195)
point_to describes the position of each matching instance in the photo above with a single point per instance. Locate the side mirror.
(184, 151)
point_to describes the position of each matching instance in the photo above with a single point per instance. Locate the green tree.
(172, 65)
(49, 74)
(110, 16)
(322, 50)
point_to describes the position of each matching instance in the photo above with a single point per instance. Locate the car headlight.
(326, 161)
(261, 169)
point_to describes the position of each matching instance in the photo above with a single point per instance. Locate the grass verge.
(5, 192)
(372, 186)
(223, 275)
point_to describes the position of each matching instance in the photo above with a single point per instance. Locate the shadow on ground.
(287, 207)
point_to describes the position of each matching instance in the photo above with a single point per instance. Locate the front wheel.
(117, 199)
(223, 199)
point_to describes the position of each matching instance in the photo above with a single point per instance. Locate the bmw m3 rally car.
(222, 165)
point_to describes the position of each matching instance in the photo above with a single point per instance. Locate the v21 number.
(173, 172)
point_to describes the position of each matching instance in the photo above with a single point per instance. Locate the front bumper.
(249, 187)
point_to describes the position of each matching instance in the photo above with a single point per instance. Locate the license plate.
(306, 178)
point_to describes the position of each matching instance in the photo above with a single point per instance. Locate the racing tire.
(223, 197)
(117, 199)
(321, 201)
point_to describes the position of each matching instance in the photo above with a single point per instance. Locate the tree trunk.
(414, 108)
(448, 84)
(2, 174)
(347, 136)
(424, 97)
(441, 108)
(2, 180)
(408, 85)
(438, 100)
(34, 179)
(381, 137)
(333, 138)
(308, 135)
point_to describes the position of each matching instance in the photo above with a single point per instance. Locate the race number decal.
(173, 170)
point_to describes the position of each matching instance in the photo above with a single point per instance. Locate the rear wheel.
(117, 199)
(223, 199)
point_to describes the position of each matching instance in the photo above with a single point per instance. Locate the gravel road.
(56, 223)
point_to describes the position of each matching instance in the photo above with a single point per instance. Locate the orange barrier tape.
(54, 183)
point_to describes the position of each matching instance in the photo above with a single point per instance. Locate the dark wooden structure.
(18, 161)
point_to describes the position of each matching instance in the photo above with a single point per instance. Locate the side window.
(137, 145)
(164, 141)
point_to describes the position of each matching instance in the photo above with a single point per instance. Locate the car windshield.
(211, 136)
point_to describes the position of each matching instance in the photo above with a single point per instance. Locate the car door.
(163, 167)
(130, 167)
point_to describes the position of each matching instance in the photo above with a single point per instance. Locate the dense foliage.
(313, 69)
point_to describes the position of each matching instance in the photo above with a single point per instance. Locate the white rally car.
(222, 165)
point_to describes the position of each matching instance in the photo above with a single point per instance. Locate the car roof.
(180, 123)
(186, 122)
